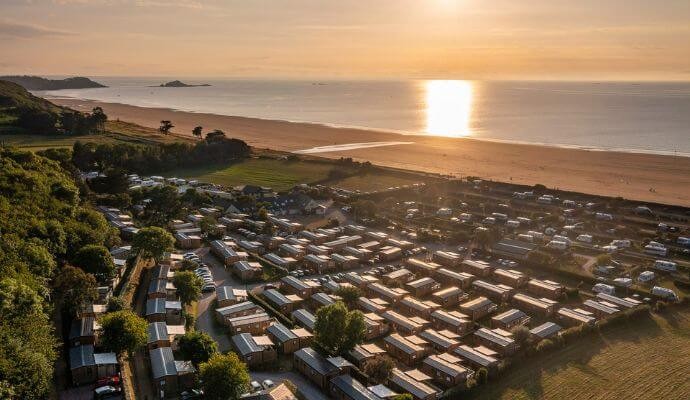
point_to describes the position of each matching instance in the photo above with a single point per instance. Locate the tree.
(196, 132)
(404, 396)
(224, 377)
(520, 334)
(262, 214)
(123, 331)
(198, 347)
(76, 287)
(482, 376)
(338, 330)
(604, 259)
(364, 208)
(349, 294)
(379, 369)
(95, 259)
(165, 127)
(485, 239)
(152, 242)
(539, 258)
(98, 119)
(188, 286)
(116, 303)
(215, 136)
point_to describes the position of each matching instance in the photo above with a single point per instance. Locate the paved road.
(308, 389)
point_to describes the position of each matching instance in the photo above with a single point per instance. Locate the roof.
(281, 332)
(229, 293)
(105, 358)
(546, 329)
(353, 388)
(305, 317)
(446, 367)
(294, 282)
(82, 327)
(238, 307)
(494, 337)
(276, 297)
(81, 356)
(407, 383)
(403, 344)
(510, 315)
(516, 247)
(437, 338)
(382, 391)
(316, 361)
(245, 344)
(158, 331)
(162, 362)
(475, 356)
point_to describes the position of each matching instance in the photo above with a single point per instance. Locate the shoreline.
(640, 176)
(59, 99)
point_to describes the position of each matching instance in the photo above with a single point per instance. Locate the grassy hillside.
(13, 98)
(643, 359)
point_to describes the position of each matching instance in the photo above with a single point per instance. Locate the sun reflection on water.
(448, 107)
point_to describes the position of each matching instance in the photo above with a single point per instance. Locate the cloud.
(14, 30)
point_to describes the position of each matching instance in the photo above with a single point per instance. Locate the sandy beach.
(598, 172)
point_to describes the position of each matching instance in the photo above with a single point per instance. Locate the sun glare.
(448, 108)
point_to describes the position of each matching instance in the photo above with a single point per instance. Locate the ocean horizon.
(645, 117)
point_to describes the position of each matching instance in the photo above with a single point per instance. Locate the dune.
(645, 177)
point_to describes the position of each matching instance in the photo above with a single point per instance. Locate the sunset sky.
(457, 39)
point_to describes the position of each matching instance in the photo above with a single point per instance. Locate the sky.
(341, 39)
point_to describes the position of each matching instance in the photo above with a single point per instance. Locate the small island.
(39, 83)
(178, 84)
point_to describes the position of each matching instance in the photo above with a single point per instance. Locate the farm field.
(374, 182)
(643, 359)
(277, 174)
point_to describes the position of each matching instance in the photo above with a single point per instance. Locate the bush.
(482, 376)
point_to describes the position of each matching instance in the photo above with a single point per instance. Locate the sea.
(648, 117)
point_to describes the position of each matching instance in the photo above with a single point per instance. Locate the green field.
(373, 182)
(274, 173)
(643, 359)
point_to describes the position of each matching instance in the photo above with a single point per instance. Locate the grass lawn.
(274, 173)
(643, 359)
(374, 181)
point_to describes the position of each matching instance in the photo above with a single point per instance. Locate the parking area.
(308, 389)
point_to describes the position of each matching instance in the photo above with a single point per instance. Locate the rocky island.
(177, 84)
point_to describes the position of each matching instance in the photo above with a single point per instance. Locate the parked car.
(105, 392)
(108, 381)
(254, 386)
(267, 384)
(191, 394)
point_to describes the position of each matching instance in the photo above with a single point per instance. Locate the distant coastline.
(40, 83)
(612, 173)
(180, 84)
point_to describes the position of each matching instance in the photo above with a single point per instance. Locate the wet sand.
(627, 175)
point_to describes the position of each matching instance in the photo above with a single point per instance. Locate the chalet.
(372, 246)
(407, 349)
(284, 304)
(411, 306)
(360, 280)
(391, 295)
(169, 375)
(345, 387)
(254, 350)
(453, 321)
(281, 262)
(549, 289)
(601, 308)
(255, 324)
(87, 366)
(510, 319)
(398, 277)
(330, 233)
(619, 302)
(510, 277)
(462, 280)
(420, 267)
(376, 325)
(400, 323)
(187, 241)
(285, 225)
(476, 267)
(543, 306)
(279, 392)
(545, 331)
(478, 308)
(409, 382)
(317, 368)
(318, 263)
(253, 247)
(477, 357)
(161, 334)
(295, 251)
(390, 253)
(291, 285)
(91, 310)
(363, 353)
(355, 229)
(227, 296)
(496, 339)
(83, 331)
(161, 310)
(321, 299)
(574, 317)
(343, 262)
(158, 289)
(358, 253)
(442, 341)
(379, 236)
(224, 252)
(374, 305)
(305, 337)
(319, 250)
(499, 293)
(402, 244)
(313, 237)
(446, 370)
(449, 296)
(344, 241)
(304, 318)
(447, 258)
(226, 313)
(422, 287)
(516, 249)
(383, 392)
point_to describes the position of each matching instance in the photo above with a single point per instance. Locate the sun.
(448, 107)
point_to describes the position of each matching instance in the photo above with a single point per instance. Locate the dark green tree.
(188, 286)
(76, 287)
(224, 377)
(123, 331)
(198, 347)
(152, 242)
(338, 330)
(96, 260)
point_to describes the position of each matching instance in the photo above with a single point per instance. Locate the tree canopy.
(96, 260)
(123, 331)
(338, 330)
(197, 347)
(188, 286)
(76, 287)
(152, 242)
(224, 377)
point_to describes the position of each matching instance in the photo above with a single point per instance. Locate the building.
(515, 249)
(447, 258)
(601, 308)
(161, 310)
(247, 270)
(287, 342)
(376, 326)
(374, 305)
(411, 306)
(453, 321)
(499, 293)
(545, 331)
(478, 308)
(225, 253)
(226, 313)
(510, 319)
(363, 353)
(83, 331)
(345, 387)
(360, 280)
(161, 334)
(510, 277)
(256, 324)
(446, 370)
(346, 261)
(422, 287)
(282, 303)
(304, 318)
(448, 297)
(477, 357)
(619, 302)
(406, 349)
(254, 350)
(574, 317)
(279, 392)
(549, 289)
(291, 285)
(317, 368)
(400, 323)
(463, 280)
(421, 267)
(318, 263)
(398, 277)
(476, 267)
(170, 376)
(497, 340)
(391, 295)
(87, 366)
(188, 241)
(543, 306)
(227, 296)
(409, 382)
(442, 341)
